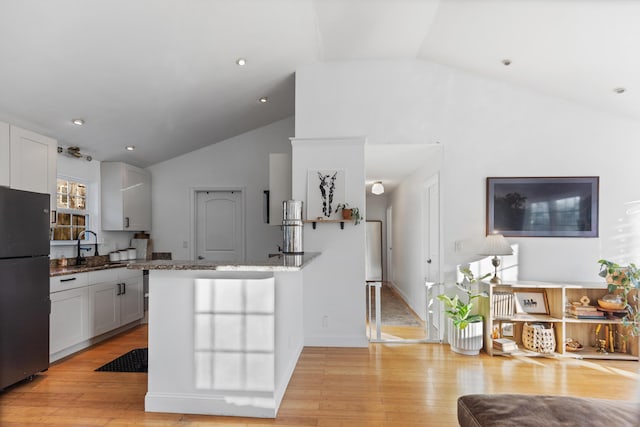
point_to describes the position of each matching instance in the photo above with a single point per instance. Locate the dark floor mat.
(134, 361)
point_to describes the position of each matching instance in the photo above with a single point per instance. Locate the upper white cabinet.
(126, 197)
(27, 160)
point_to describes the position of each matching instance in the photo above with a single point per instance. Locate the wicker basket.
(539, 338)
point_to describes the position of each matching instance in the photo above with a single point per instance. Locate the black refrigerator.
(24, 285)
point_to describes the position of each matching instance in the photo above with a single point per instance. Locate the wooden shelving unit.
(559, 295)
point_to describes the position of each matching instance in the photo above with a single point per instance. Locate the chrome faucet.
(95, 253)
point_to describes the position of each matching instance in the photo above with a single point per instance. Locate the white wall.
(89, 172)
(334, 283)
(242, 161)
(486, 128)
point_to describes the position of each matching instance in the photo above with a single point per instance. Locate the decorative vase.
(467, 341)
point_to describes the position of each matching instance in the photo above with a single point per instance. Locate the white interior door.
(219, 225)
(431, 252)
(431, 228)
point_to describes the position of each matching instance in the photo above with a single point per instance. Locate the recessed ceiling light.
(77, 122)
(263, 100)
(130, 147)
(506, 62)
(241, 61)
(619, 90)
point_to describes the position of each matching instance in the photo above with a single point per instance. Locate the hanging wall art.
(326, 189)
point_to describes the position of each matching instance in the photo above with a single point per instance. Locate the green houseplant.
(624, 281)
(458, 310)
(465, 330)
(349, 213)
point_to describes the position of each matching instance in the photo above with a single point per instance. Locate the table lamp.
(496, 244)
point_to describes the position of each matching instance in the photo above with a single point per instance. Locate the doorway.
(219, 225)
(403, 307)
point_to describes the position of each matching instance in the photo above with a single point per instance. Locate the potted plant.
(625, 282)
(465, 329)
(349, 213)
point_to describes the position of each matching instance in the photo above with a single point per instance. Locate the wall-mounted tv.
(543, 206)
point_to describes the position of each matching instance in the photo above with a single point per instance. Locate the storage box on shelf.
(499, 310)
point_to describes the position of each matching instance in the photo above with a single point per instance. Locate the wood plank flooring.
(395, 385)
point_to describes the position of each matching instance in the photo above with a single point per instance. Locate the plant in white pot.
(465, 329)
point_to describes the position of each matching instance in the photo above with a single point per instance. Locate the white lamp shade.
(496, 244)
(377, 188)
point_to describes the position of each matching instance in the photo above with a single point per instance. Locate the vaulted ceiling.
(162, 75)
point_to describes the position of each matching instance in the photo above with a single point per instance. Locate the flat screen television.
(543, 206)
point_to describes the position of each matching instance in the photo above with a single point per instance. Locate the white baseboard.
(222, 405)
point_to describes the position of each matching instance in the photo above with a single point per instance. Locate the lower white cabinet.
(116, 302)
(103, 301)
(105, 307)
(69, 319)
(132, 298)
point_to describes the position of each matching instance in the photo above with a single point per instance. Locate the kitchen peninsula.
(224, 338)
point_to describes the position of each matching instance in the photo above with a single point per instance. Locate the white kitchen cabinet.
(89, 304)
(69, 319)
(33, 161)
(116, 301)
(27, 160)
(104, 305)
(126, 197)
(132, 298)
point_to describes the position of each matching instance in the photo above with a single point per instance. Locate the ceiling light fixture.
(130, 147)
(77, 122)
(241, 61)
(377, 188)
(263, 100)
(506, 62)
(619, 90)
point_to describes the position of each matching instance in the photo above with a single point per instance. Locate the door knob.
(429, 261)
(200, 257)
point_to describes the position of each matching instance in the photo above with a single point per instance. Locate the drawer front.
(68, 281)
(125, 273)
(103, 276)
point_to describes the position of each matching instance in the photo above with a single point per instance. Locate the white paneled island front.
(224, 339)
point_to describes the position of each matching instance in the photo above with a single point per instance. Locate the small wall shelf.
(322, 221)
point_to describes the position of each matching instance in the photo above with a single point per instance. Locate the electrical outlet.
(325, 321)
(457, 246)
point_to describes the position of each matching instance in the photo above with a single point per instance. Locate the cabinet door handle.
(68, 280)
(126, 222)
(124, 288)
(119, 289)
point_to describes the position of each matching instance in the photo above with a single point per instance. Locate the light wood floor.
(399, 385)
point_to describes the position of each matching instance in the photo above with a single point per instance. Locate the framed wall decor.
(531, 302)
(325, 190)
(543, 206)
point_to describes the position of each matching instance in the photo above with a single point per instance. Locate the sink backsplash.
(91, 261)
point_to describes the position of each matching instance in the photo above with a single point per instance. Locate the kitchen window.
(71, 216)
